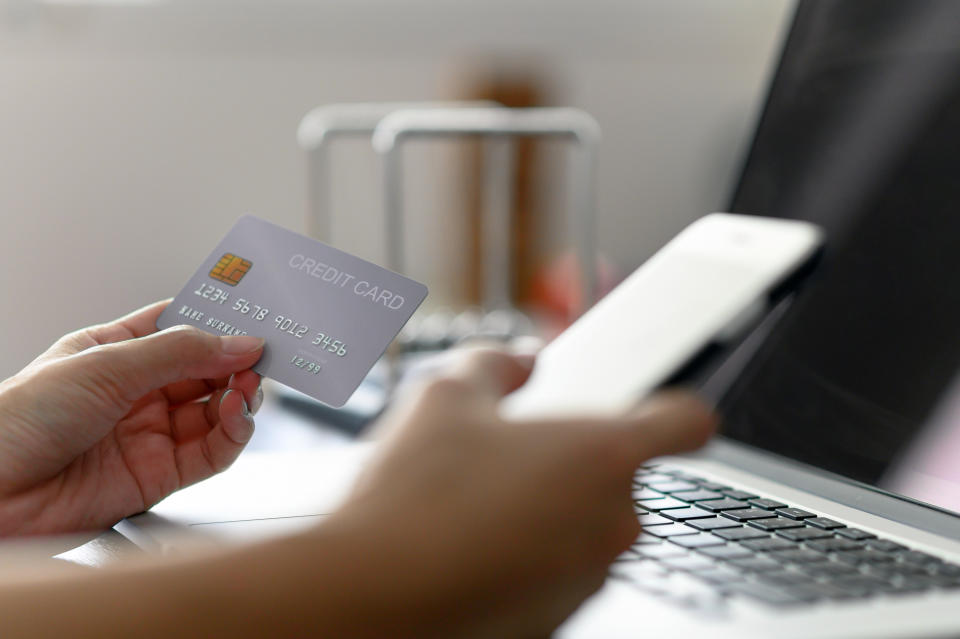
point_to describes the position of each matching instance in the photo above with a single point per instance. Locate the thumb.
(668, 423)
(132, 368)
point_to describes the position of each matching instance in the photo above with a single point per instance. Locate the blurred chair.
(324, 124)
(497, 126)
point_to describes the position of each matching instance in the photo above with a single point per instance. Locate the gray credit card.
(327, 316)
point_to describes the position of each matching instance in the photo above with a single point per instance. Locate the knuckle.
(100, 373)
(444, 389)
(187, 339)
(487, 357)
(217, 463)
(74, 337)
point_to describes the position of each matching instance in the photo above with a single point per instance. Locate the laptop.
(829, 506)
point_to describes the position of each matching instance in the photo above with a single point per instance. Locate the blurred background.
(133, 133)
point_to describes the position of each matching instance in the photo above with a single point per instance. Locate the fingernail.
(244, 409)
(257, 400)
(224, 397)
(237, 430)
(240, 344)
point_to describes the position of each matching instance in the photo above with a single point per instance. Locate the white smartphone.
(707, 286)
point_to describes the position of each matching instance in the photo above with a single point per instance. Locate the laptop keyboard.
(704, 542)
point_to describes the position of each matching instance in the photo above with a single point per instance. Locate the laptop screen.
(861, 134)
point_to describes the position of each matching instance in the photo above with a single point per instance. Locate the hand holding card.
(327, 316)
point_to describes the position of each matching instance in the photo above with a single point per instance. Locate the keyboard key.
(834, 544)
(797, 556)
(644, 538)
(697, 495)
(855, 533)
(746, 514)
(714, 523)
(699, 541)
(763, 593)
(918, 583)
(729, 551)
(775, 523)
(738, 534)
(640, 494)
(652, 479)
(917, 557)
(820, 591)
(741, 495)
(944, 582)
(827, 569)
(653, 520)
(794, 513)
(947, 570)
(861, 584)
(710, 485)
(805, 592)
(674, 486)
(894, 570)
(689, 563)
(683, 514)
(804, 534)
(682, 475)
(884, 545)
(757, 563)
(672, 530)
(857, 557)
(767, 504)
(768, 544)
(723, 504)
(720, 575)
(823, 522)
(661, 551)
(783, 578)
(663, 504)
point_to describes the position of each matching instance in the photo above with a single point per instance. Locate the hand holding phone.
(705, 286)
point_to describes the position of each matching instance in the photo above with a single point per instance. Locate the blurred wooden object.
(510, 92)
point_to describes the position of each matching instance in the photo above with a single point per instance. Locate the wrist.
(362, 576)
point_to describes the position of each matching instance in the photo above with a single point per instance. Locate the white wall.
(132, 137)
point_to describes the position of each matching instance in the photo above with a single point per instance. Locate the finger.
(236, 421)
(214, 452)
(668, 423)
(190, 390)
(493, 372)
(196, 419)
(248, 383)
(143, 322)
(136, 324)
(193, 420)
(139, 323)
(128, 370)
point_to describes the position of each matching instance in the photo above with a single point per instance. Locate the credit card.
(327, 316)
